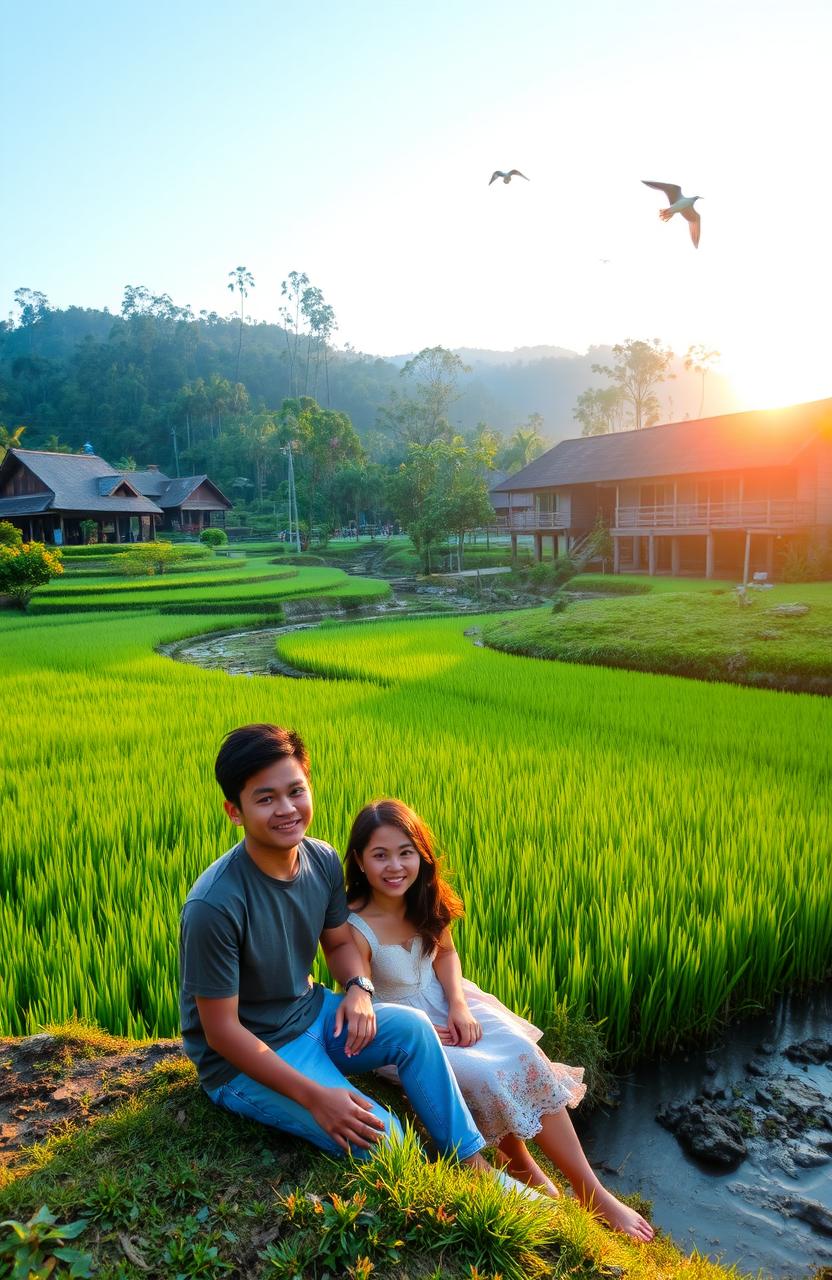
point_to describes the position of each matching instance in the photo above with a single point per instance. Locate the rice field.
(247, 583)
(642, 849)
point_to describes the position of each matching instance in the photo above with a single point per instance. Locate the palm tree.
(9, 439)
(241, 280)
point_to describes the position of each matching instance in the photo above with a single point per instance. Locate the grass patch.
(696, 634)
(165, 1184)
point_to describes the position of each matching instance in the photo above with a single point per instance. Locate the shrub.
(550, 575)
(26, 567)
(214, 538)
(154, 557)
(10, 535)
(149, 558)
(808, 561)
(89, 528)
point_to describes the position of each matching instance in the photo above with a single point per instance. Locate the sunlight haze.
(165, 145)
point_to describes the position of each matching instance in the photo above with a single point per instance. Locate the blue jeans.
(405, 1039)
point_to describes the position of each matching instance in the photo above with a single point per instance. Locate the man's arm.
(345, 961)
(343, 1114)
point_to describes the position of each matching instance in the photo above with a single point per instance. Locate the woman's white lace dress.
(507, 1081)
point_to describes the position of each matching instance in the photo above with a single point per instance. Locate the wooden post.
(674, 557)
(514, 548)
(538, 547)
(770, 556)
(746, 564)
(616, 555)
(709, 554)
(651, 554)
(637, 550)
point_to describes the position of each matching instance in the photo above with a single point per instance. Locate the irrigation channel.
(747, 1213)
(766, 1113)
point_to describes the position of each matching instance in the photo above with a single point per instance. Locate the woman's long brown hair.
(431, 903)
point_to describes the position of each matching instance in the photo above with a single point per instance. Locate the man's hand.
(346, 1117)
(356, 1010)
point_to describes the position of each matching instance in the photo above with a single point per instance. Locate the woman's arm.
(463, 1028)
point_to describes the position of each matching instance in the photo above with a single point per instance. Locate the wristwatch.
(364, 983)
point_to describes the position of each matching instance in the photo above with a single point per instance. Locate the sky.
(163, 144)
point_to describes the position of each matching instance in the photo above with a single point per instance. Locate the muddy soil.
(46, 1082)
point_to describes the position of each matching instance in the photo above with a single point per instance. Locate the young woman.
(401, 910)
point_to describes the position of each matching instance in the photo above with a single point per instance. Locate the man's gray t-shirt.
(245, 934)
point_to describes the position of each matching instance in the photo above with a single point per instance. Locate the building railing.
(527, 519)
(772, 513)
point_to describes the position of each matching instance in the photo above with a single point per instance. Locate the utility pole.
(175, 450)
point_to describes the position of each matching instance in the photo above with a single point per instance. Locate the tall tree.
(702, 360)
(240, 281)
(441, 489)
(293, 289)
(33, 307)
(420, 414)
(600, 412)
(325, 440)
(640, 366)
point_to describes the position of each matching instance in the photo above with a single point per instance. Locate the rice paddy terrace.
(644, 850)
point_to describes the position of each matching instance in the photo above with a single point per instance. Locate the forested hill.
(125, 382)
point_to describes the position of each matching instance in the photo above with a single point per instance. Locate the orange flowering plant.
(25, 567)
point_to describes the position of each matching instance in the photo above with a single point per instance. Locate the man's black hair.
(253, 747)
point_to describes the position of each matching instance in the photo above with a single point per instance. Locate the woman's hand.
(462, 1030)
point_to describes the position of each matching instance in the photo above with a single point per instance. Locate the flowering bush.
(10, 535)
(25, 567)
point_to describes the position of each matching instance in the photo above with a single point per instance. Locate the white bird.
(506, 177)
(678, 204)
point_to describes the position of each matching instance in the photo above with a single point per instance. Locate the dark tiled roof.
(75, 481)
(30, 505)
(167, 492)
(764, 438)
(179, 490)
(151, 483)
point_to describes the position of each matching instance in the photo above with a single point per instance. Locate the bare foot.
(620, 1216)
(533, 1176)
(537, 1178)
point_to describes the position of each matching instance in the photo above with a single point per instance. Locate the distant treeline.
(128, 382)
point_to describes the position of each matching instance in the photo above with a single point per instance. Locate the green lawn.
(687, 629)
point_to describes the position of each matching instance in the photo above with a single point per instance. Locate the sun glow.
(773, 379)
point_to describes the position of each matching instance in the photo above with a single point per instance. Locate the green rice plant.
(234, 592)
(646, 851)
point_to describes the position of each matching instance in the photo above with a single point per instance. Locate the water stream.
(728, 1216)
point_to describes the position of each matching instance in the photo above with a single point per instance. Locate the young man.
(267, 1042)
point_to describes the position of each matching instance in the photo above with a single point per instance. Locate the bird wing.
(672, 192)
(496, 174)
(695, 225)
(519, 174)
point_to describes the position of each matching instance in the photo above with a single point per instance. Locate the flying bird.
(507, 177)
(677, 203)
